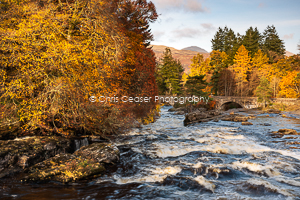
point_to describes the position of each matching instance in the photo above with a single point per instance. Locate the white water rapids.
(214, 160)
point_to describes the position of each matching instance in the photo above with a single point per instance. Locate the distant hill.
(195, 48)
(288, 54)
(184, 56)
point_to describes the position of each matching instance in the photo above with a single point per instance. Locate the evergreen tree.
(264, 91)
(252, 40)
(218, 41)
(231, 45)
(161, 85)
(226, 41)
(272, 45)
(219, 63)
(195, 85)
(169, 74)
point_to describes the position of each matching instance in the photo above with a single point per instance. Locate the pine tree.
(252, 40)
(195, 85)
(218, 63)
(218, 41)
(231, 45)
(170, 74)
(264, 91)
(273, 46)
(226, 41)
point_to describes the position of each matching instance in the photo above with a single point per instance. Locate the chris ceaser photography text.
(163, 99)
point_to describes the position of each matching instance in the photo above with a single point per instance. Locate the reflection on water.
(214, 160)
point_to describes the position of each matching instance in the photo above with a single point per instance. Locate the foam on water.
(255, 167)
(156, 175)
(205, 183)
(269, 186)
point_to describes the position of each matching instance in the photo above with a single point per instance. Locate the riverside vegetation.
(55, 55)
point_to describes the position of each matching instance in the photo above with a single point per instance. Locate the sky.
(184, 23)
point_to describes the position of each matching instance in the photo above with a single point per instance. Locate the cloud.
(186, 32)
(169, 19)
(186, 5)
(208, 26)
(158, 34)
(261, 5)
(287, 37)
(193, 32)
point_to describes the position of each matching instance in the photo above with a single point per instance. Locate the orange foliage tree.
(54, 55)
(241, 66)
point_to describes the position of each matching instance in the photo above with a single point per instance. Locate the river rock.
(235, 118)
(247, 123)
(88, 161)
(198, 116)
(18, 154)
(177, 109)
(179, 113)
(273, 111)
(267, 124)
(287, 132)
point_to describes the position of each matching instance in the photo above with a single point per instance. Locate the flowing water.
(214, 160)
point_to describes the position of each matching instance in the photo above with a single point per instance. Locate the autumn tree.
(241, 66)
(290, 85)
(199, 66)
(55, 55)
(263, 91)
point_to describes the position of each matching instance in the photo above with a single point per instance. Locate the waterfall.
(80, 143)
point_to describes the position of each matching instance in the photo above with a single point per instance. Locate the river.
(213, 160)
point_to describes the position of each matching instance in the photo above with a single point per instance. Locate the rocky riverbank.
(198, 115)
(44, 158)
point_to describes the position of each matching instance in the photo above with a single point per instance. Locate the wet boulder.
(198, 116)
(273, 111)
(18, 154)
(178, 109)
(286, 132)
(86, 162)
(235, 118)
(179, 113)
(267, 124)
(246, 123)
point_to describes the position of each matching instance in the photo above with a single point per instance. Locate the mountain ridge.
(195, 48)
(185, 56)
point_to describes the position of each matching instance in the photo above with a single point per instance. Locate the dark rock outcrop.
(49, 158)
(18, 154)
(88, 161)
